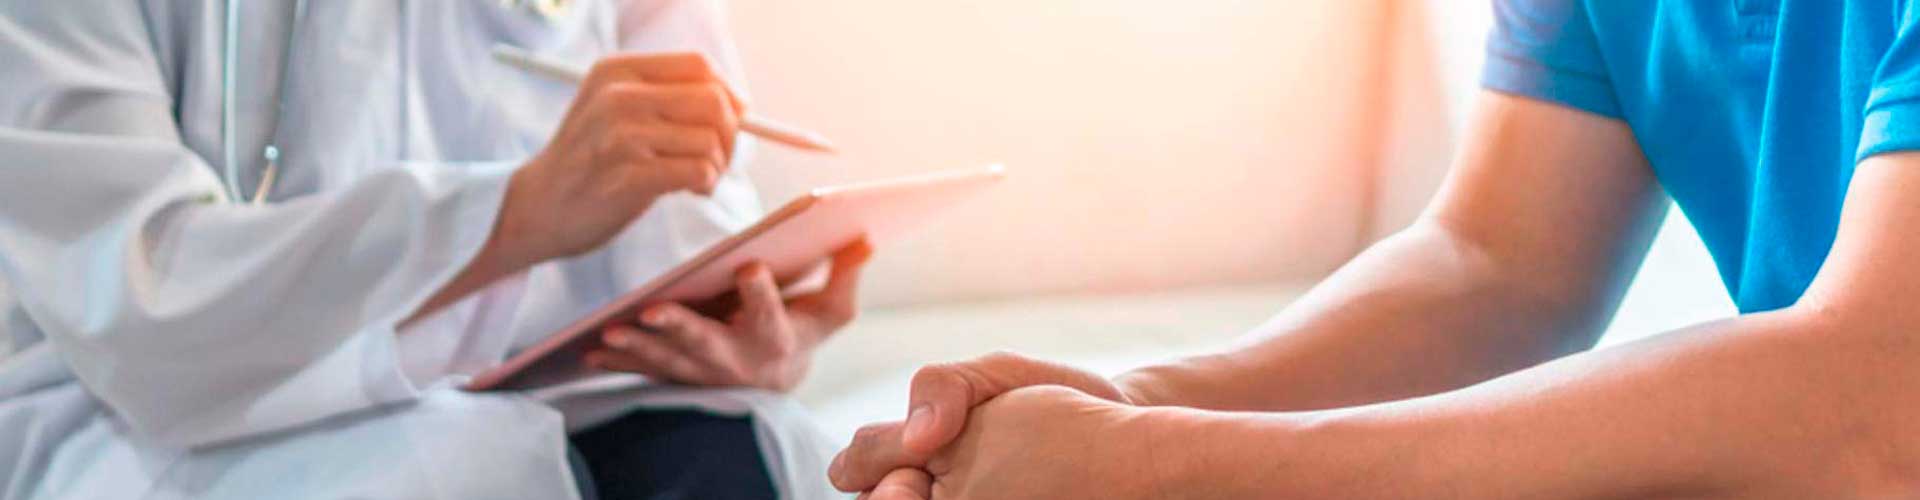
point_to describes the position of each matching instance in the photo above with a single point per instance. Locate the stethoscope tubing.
(229, 101)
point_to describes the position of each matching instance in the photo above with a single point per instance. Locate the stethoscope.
(229, 101)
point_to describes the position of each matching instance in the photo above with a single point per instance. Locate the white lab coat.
(169, 344)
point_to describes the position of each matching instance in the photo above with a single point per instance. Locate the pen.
(752, 124)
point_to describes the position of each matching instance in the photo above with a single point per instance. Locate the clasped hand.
(1006, 427)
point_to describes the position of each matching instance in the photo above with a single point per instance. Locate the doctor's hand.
(641, 126)
(1041, 442)
(941, 405)
(767, 341)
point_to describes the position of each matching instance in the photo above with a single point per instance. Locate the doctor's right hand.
(642, 126)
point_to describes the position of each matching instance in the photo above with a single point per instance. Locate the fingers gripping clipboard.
(791, 241)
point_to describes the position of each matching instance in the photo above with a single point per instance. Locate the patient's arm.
(1813, 400)
(1521, 258)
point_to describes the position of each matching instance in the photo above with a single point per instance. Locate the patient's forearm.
(1521, 257)
(1420, 313)
(1800, 403)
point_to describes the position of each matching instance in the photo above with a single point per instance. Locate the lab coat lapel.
(343, 105)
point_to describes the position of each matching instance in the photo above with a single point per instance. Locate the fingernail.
(620, 341)
(651, 318)
(919, 420)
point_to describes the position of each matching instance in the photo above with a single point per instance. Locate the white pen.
(752, 124)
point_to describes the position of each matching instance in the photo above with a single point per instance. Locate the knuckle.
(1002, 357)
(610, 144)
(672, 168)
(620, 139)
(694, 137)
(940, 463)
(836, 315)
(685, 172)
(706, 345)
(747, 273)
(715, 98)
(672, 104)
(609, 64)
(783, 343)
(741, 375)
(600, 73)
(708, 180)
(696, 342)
(944, 373)
(783, 350)
(649, 357)
(843, 314)
(618, 92)
(632, 102)
(863, 438)
(760, 271)
(625, 130)
(760, 314)
(695, 60)
(928, 373)
(1037, 393)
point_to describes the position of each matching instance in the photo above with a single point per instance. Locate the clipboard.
(791, 241)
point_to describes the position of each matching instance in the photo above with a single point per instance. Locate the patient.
(1452, 360)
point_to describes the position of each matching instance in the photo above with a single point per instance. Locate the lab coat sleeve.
(198, 321)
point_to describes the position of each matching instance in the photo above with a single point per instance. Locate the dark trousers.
(670, 455)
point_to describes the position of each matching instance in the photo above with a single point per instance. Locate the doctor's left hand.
(765, 342)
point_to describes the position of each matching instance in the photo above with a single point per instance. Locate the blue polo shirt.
(1752, 112)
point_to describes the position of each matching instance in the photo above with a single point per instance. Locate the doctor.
(253, 247)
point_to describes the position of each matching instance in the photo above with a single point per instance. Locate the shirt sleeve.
(1892, 121)
(194, 320)
(1547, 50)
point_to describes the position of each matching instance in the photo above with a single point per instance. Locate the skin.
(1439, 364)
(765, 342)
(642, 127)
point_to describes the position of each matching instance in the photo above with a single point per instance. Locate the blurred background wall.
(1150, 144)
(1180, 170)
